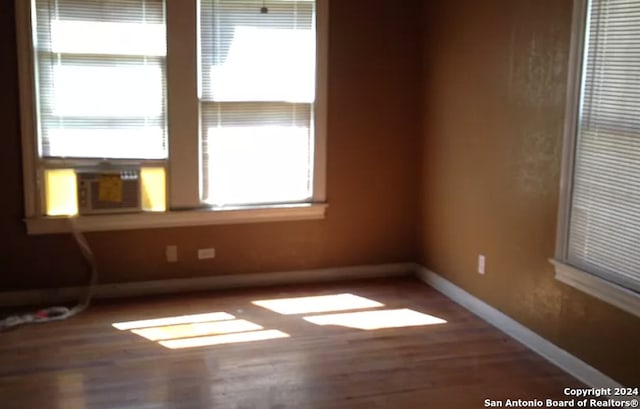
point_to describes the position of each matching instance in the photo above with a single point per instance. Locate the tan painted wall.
(372, 173)
(491, 79)
(495, 76)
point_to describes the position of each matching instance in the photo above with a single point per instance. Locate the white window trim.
(183, 176)
(585, 281)
(150, 220)
(595, 286)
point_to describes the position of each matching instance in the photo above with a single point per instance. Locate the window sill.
(604, 290)
(200, 217)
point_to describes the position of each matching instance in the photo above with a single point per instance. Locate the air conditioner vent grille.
(109, 191)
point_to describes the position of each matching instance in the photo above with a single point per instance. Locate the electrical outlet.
(481, 263)
(206, 253)
(172, 254)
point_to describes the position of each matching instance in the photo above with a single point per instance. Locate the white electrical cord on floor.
(58, 312)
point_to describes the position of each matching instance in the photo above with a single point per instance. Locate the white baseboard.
(141, 288)
(557, 356)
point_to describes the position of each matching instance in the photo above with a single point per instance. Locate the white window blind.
(257, 94)
(101, 78)
(604, 232)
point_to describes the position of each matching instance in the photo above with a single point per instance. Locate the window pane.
(101, 78)
(127, 143)
(91, 37)
(604, 235)
(257, 84)
(256, 153)
(113, 90)
(248, 55)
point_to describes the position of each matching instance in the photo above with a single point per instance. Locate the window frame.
(585, 281)
(184, 207)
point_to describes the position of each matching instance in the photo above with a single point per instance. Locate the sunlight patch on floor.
(196, 329)
(183, 319)
(320, 303)
(217, 328)
(223, 339)
(371, 320)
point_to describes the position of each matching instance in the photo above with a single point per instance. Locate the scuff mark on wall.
(544, 301)
(537, 68)
(537, 162)
(537, 72)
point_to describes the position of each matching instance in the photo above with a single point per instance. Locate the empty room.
(292, 204)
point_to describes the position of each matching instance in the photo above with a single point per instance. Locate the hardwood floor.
(86, 362)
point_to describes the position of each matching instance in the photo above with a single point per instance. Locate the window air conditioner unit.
(109, 191)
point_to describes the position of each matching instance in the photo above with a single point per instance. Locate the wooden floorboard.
(85, 362)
